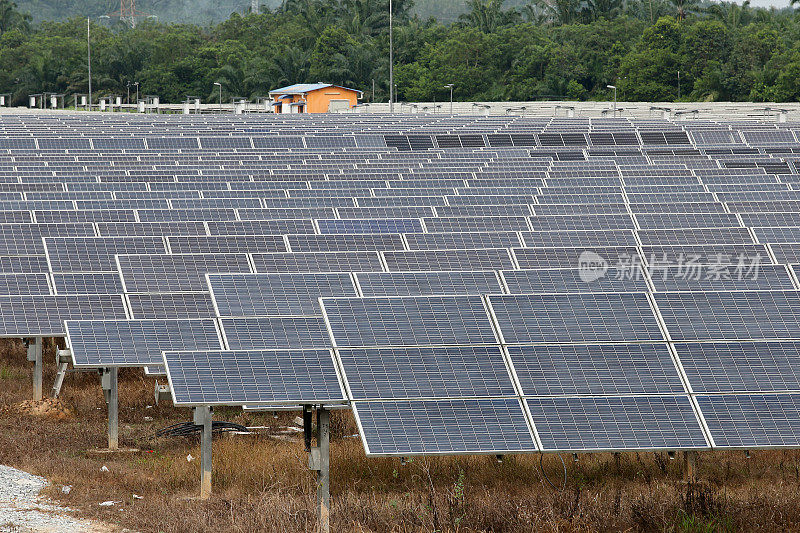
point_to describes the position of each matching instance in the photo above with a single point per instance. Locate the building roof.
(303, 88)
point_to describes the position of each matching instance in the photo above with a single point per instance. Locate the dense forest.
(550, 49)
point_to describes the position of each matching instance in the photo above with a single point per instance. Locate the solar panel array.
(465, 284)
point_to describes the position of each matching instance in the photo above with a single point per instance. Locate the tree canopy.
(548, 49)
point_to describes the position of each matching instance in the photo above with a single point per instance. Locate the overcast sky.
(768, 3)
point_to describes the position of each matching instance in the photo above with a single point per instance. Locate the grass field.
(262, 483)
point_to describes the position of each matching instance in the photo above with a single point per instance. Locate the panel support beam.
(109, 380)
(35, 356)
(323, 473)
(202, 417)
(690, 465)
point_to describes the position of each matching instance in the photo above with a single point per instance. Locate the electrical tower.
(128, 13)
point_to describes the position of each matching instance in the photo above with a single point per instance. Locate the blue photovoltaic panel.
(427, 283)
(370, 225)
(583, 238)
(408, 321)
(490, 426)
(96, 254)
(752, 420)
(581, 222)
(23, 264)
(24, 284)
(784, 234)
(456, 224)
(176, 272)
(253, 333)
(44, 316)
(709, 254)
(690, 236)
(102, 343)
(186, 215)
(600, 369)
(276, 294)
(112, 229)
(619, 257)
(353, 242)
(686, 220)
(462, 240)
(630, 279)
(226, 244)
(417, 372)
(714, 367)
(569, 318)
(26, 239)
(111, 215)
(721, 278)
(729, 315)
(261, 227)
(616, 423)
(239, 377)
(171, 305)
(318, 262)
(443, 260)
(87, 283)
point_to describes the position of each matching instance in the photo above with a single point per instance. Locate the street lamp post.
(615, 97)
(391, 61)
(136, 84)
(218, 84)
(450, 86)
(89, 59)
(128, 100)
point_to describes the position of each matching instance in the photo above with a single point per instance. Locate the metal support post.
(690, 470)
(202, 417)
(35, 356)
(323, 474)
(109, 381)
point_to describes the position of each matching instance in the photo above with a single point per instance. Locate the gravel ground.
(23, 510)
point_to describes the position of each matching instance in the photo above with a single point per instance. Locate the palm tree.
(731, 13)
(684, 8)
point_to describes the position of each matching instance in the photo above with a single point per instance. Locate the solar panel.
(532, 239)
(752, 420)
(408, 321)
(427, 283)
(730, 315)
(715, 277)
(345, 242)
(24, 284)
(442, 260)
(276, 294)
(419, 372)
(369, 225)
(96, 254)
(171, 305)
(176, 272)
(616, 423)
(103, 343)
(600, 369)
(251, 333)
(43, 315)
(226, 244)
(462, 240)
(569, 318)
(87, 283)
(239, 377)
(317, 262)
(720, 367)
(115, 229)
(260, 227)
(630, 279)
(485, 426)
(590, 258)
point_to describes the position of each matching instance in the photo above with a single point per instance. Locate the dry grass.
(263, 484)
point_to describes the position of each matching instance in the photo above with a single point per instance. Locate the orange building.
(313, 98)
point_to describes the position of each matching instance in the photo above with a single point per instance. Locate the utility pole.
(137, 91)
(391, 61)
(450, 86)
(89, 58)
(679, 85)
